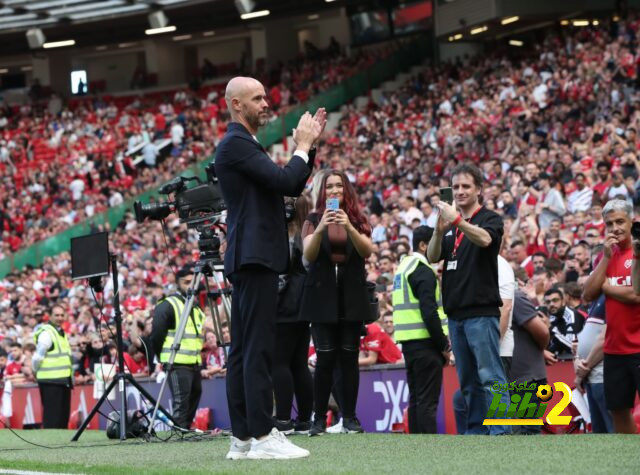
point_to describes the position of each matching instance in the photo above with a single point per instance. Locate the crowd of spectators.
(554, 131)
(65, 163)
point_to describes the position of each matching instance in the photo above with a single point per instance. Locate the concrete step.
(333, 118)
(361, 102)
(376, 96)
(403, 77)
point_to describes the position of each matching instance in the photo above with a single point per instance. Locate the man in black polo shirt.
(468, 238)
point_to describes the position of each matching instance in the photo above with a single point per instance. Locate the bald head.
(247, 102)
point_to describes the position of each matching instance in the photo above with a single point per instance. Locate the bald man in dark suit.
(253, 187)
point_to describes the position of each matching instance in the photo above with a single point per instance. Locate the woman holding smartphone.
(336, 241)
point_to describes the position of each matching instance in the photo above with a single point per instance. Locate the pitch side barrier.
(382, 399)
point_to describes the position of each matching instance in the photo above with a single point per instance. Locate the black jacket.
(290, 296)
(320, 293)
(253, 186)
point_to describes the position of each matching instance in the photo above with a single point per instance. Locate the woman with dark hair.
(335, 298)
(290, 371)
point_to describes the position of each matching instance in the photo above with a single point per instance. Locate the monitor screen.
(90, 256)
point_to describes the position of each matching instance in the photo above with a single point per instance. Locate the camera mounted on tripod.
(194, 205)
(200, 207)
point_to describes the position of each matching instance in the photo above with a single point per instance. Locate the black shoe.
(302, 427)
(286, 427)
(318, 427)
(351, 425)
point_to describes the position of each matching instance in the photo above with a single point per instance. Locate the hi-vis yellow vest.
(57, 361)
(407, 318)
(192, 340)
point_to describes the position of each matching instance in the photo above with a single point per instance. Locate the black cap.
(421, 234)
(544, 176)
(186, 270)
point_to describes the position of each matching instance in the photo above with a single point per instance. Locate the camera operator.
(290, 369)
(253, 187)
(184, 380)
(335, 297)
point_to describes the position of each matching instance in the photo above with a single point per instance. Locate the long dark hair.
(349, 203)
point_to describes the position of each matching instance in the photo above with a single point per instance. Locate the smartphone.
(446, 195)
(333, 204)
(543, 309)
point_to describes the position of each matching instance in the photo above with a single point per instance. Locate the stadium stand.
(567, 108)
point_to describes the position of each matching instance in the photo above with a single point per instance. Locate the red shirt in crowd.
(623, 320)
(13, 368)
(377, 340)
(133, 366)
(132, 304)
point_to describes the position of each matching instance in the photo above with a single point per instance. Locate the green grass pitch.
(358, 453)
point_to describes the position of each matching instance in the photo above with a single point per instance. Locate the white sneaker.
(275, 446)
(336, 428)
(239, 449)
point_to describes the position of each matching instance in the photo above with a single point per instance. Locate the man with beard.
(253, 187)
(565, 324)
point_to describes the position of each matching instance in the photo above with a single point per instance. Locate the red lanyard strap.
(460, 234)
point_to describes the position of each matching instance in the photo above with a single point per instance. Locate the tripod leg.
(215, 317)
(227, 308)
(95, 409)
(132, 381)
(188, 305)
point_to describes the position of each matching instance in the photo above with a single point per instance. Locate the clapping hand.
(321, 118)
(309, 129)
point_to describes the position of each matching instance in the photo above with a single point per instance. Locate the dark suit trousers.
(56, 404)
(424, 378)
(253, 336)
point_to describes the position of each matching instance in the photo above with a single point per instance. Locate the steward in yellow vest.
(184, 377)
(53, 369)
(421, 327)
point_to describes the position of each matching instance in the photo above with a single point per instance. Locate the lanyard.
(460, 234)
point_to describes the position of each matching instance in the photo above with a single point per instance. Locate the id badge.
(452, 265)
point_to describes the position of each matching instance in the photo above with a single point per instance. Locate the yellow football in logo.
(544, 392)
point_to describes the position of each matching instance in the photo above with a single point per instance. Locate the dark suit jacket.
(253, 187)
(320, 293)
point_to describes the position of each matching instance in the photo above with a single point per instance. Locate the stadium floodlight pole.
(121, 378)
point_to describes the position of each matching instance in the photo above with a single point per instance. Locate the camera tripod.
(121, 378)
(205, 267)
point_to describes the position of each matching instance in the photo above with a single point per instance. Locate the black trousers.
(253, 337)
(291, 371)
(424, 378)
(185, 383)
(336, 343)
(56, 404)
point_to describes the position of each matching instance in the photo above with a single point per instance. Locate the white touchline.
(30, 472)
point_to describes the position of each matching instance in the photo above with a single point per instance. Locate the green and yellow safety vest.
(57, 361)
(192, 340)
(407, 318)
